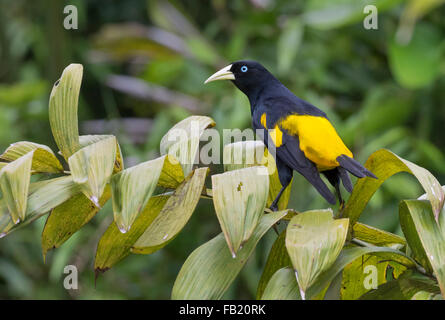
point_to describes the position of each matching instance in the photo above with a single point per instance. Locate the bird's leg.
(340, 199)
(274, 205)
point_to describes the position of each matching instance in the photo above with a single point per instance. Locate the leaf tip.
(97, 272)
(95, 200)
(123, 229)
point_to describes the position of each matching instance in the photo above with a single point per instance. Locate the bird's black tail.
(354, 167)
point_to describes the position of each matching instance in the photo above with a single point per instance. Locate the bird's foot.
(342, 205)
(341, 208)
(273, 207)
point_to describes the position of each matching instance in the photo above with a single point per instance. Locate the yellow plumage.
(319, 141)
(275, 134)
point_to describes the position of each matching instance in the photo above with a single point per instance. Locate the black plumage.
(304, 140)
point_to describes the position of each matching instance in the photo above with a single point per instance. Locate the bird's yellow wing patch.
(263, 120)
(275, 134)
(319, 141)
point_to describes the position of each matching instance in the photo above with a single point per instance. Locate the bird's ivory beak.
(223, 74)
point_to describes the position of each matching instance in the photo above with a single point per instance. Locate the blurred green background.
(144, 67)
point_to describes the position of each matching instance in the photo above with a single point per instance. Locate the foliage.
(314, 245)
(145, 62)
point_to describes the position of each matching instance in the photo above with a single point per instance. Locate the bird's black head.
(249, 76)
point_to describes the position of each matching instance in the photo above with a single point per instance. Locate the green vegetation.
(382, 89)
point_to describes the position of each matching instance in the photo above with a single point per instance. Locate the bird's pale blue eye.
(243, 68)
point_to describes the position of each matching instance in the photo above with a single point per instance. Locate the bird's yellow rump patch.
(319, 141)
(275, 134)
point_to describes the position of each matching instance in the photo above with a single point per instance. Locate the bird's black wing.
(290, 153)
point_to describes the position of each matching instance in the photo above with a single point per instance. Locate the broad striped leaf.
(278, 258)
(14, 183)
(132, 187)
(282, 286)
(239, 197)
(314, 241)
(43, 159)
(92, 166)
(245, 154)
(377, 237)
(411, 285)
(114, 245)
(65, 219)
(355, 275)
(63, 103)
(87, 140)
(210, 269)
(43, 196)
(182, 140)
(430, 238)
(172, 175)
(383, 163)
(348, 255)
(174, 215)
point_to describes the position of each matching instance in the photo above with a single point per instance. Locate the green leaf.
(414, 242)
(348, 255)
(355, 274)
(383, 163)
(326, 14)
(131, 190)
(278, 258)
(413, 11)
(172, 175)
(67, 218)
(415, 65)
(87, 140)
(410, 285)
(114, 245)
(377, 237)
(245, 154)
(182, 140)
(43, 196)
(174, 215)
(289, 43)
(14, 183)
(239, 197)
(314, 240)
(282, 286)
(92, 167)
(430, 236)
(43, 159)
(210, 269)
(63, 103)
(425, 295)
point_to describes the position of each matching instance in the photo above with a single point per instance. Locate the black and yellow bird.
(303, 137)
